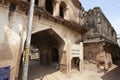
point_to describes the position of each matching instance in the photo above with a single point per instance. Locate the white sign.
(75, 50)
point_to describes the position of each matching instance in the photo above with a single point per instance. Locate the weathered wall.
(101, 51)
(12, 39)
(91, 50)
(101, 37)
(99, 25)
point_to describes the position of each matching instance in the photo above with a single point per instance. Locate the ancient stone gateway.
(56, 34)
(56, 52)
(54, 49)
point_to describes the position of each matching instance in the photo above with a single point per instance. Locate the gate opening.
(75, 63)
(44, 58)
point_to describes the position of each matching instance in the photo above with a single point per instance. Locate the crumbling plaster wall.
(91, 50)
(101, 51)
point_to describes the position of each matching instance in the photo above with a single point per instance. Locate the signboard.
(5, 73)
(75, 50)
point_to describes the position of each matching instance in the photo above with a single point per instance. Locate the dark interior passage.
(48, 46)
(75, 63)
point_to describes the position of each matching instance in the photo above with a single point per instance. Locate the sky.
(111, 9)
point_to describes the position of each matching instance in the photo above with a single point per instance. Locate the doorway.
(75, 63)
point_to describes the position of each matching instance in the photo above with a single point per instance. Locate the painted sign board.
(5, 73)
(75, 50)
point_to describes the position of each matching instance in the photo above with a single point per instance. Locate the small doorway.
(75, 63)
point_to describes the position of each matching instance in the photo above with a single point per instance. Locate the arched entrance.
(75, 63)
(48, 43)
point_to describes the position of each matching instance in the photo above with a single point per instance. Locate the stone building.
(56, 33)
(60, 27)
(101, 38)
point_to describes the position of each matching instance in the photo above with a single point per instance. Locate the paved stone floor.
(42, 72)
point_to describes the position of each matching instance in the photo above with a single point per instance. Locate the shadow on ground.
(113, 74)
(38, 72)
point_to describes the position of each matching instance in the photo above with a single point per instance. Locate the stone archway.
(50, 46)
(49, 43)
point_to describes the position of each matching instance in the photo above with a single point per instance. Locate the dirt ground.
(42, 72)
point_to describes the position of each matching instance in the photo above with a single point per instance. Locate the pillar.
(56, 8)
(81, 57)
(69, 57)
(66, 13)
(70, 67)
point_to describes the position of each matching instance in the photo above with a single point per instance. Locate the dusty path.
(37, 71)
(41, 72)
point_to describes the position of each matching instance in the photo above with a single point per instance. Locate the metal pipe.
(28, 40)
